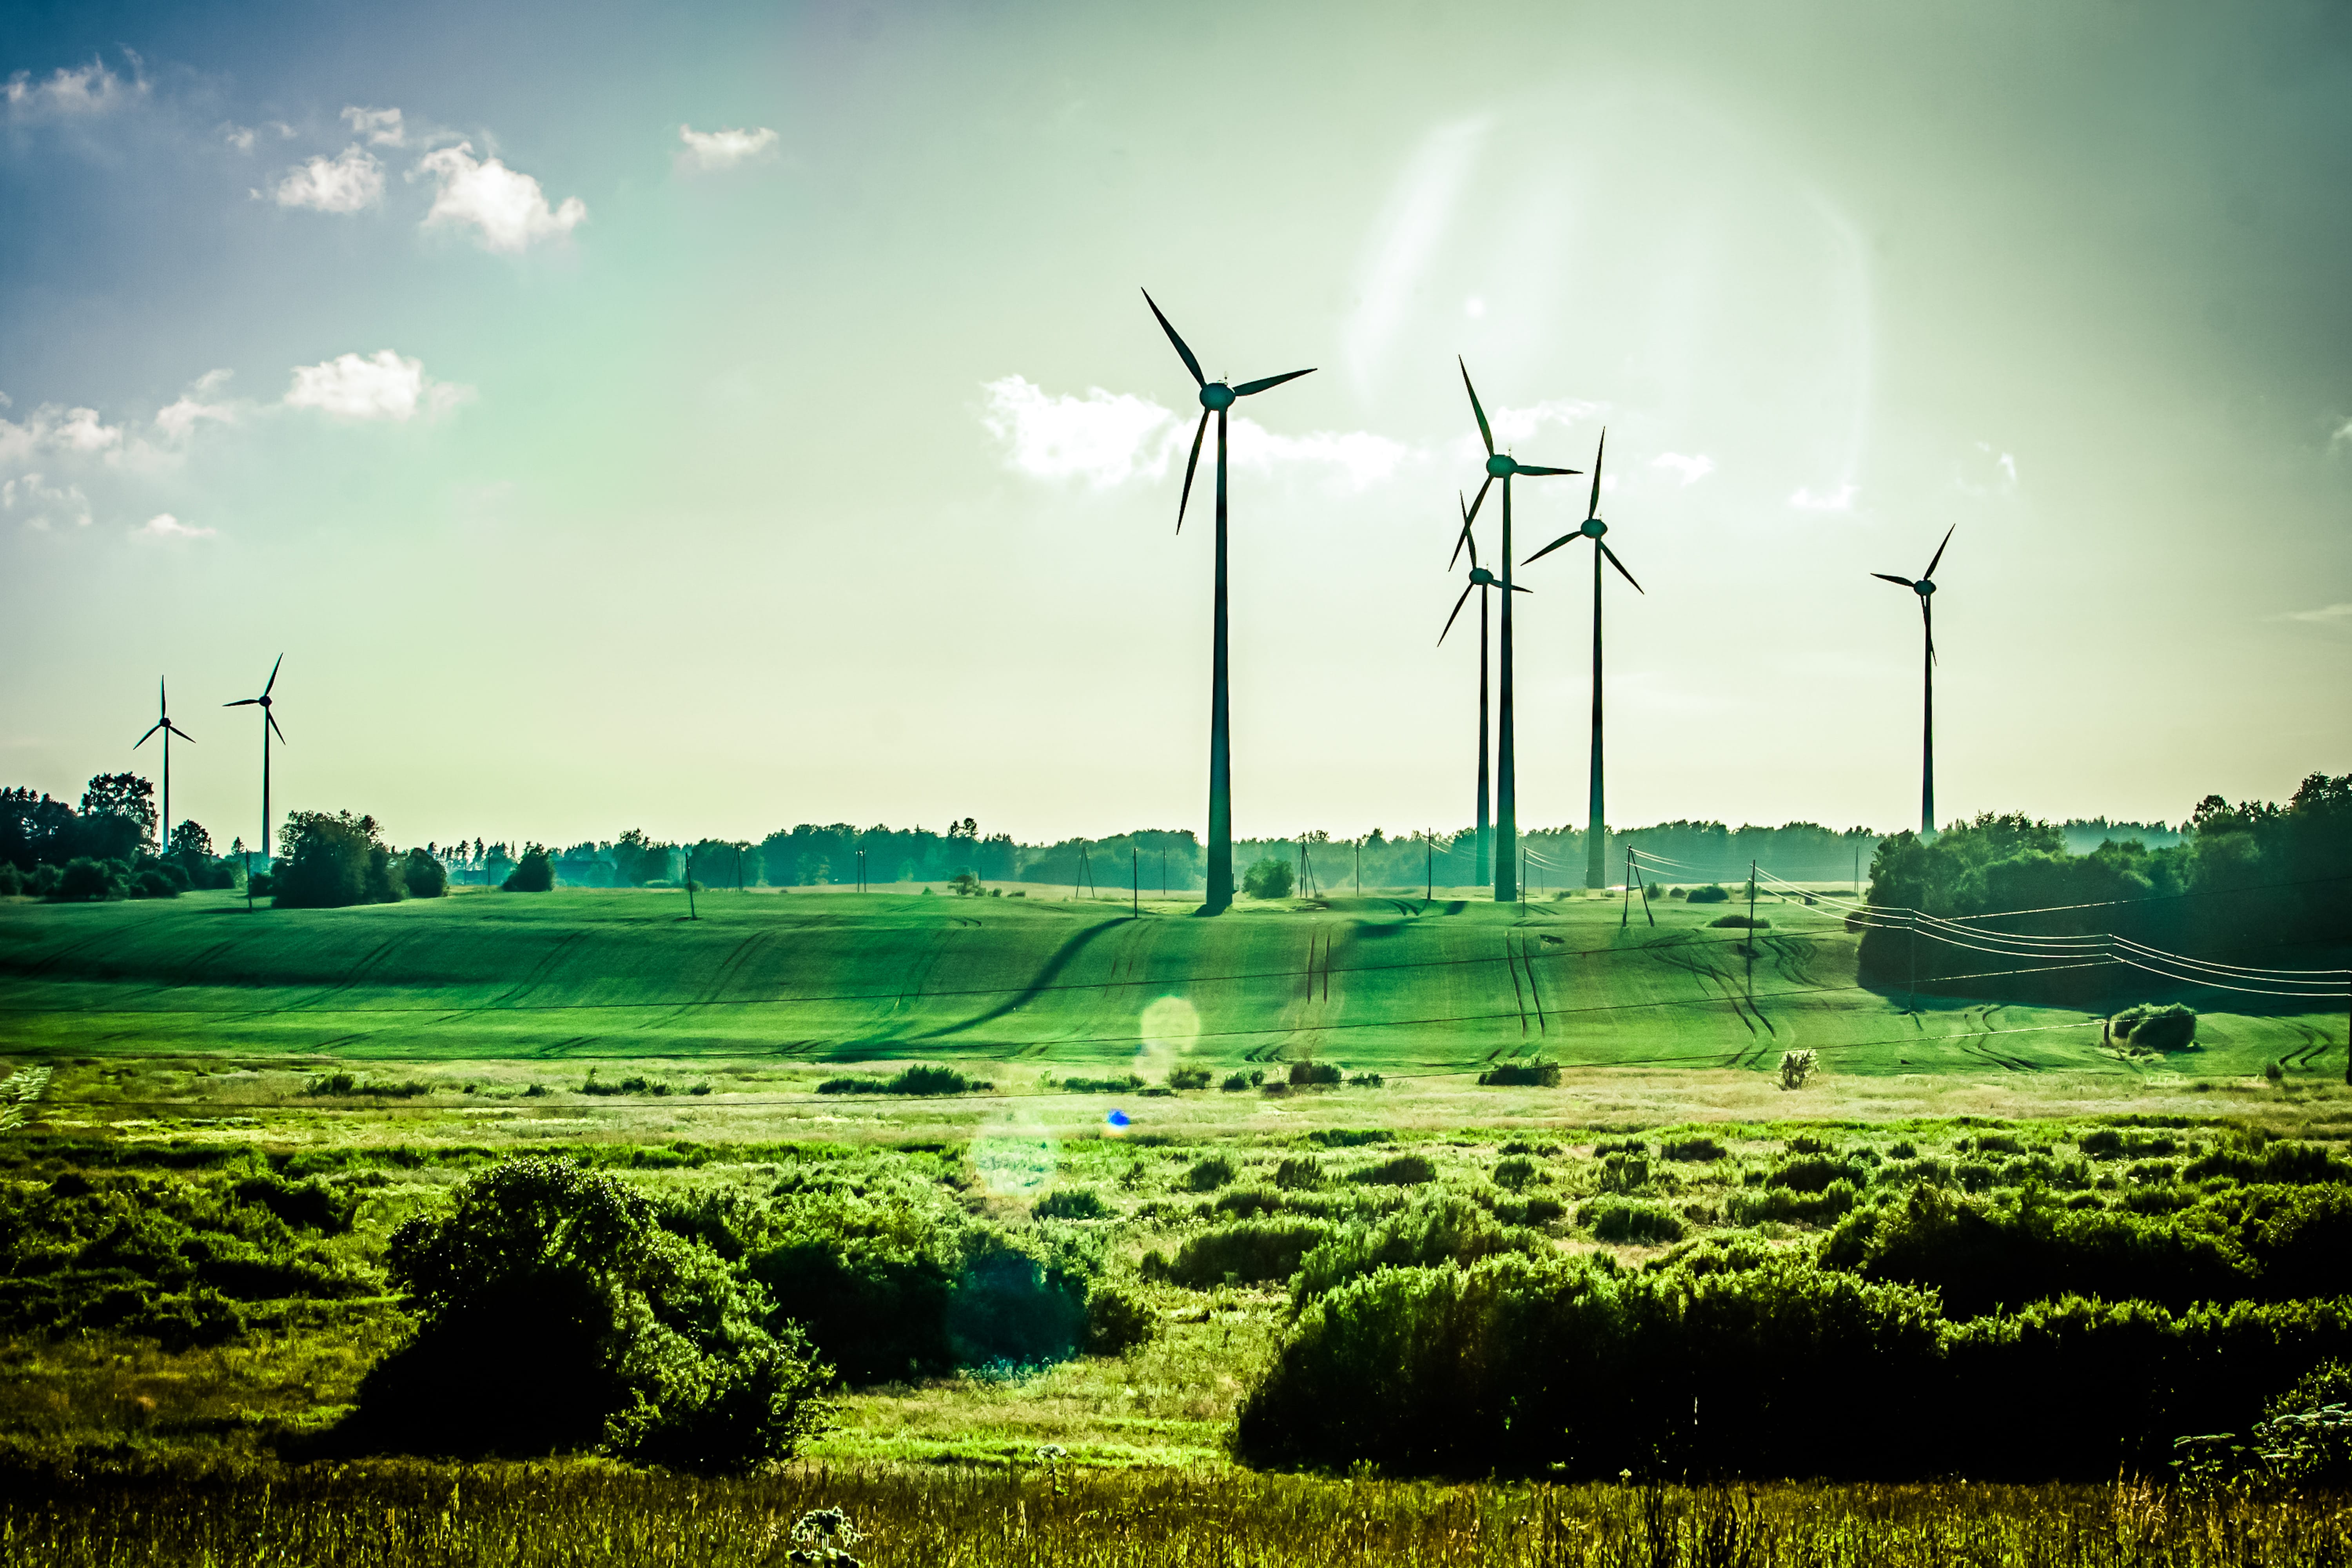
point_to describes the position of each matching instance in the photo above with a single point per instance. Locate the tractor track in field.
(1064, 956)
(556, 953)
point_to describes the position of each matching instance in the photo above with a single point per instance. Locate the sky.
(708, 419)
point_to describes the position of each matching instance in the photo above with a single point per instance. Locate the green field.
(1404, 987)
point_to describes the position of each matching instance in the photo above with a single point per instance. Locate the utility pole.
(1750, 943)
(1135, 874)
(1360, 867)
(689, 884)
(1428, 867)
(1625, 910)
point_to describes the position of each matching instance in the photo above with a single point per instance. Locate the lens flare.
(1015, 1157)
(1171, 1026)
(1117, 1124)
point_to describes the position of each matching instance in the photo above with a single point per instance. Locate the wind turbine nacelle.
(1923, 587)
(1592, 528)
(1216, 395)
(1500, 467)
(1481, 577)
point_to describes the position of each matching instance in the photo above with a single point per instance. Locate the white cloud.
(384, 386)
(1110, 438)
(508, 210)
(69, 94)
(1526, 424)
(1691, 469)
(238, 136)
(164, 525)
(723, 148)
(178, 420)
(76, 430)
(2343, 436)
(350, 183)
(2325, 615)
(381, 127)
(41, 501)
(1838, 499)
(1104, 438)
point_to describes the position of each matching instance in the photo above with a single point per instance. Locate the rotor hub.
(1480, 577)
(1216, 395)
(1500, 466)
(1592, 528)
(1923, 587)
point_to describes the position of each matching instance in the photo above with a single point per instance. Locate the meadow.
(288, 1088)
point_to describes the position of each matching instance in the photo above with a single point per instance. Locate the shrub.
(1126, 1083)
(1314, 1075)
(1118, 1318)
(1298, 1174)
(1402, 1171)
(1207, 1175)
(1790, 1205)
(918, 1079)
(553, 1313)
(1435, 1228)
(1521, 1075)
(1248, 1203)
(12, 881)
(535, 873)
(2288, 1163)
(1188, 1077)
(2172, 1027)
(424, 875)
(1349, 1138)
(151, 883)
(1796, 1066)
(1701, 1148)
(1516, 1171)
(1235, 1082)
(1366, 1080)
(1741, 922)
(1249, 1252)
(1071, 1202)
(1270, 877)
(85, 880)
(1713, 893)
(1814, 1172)
(1630, 1220)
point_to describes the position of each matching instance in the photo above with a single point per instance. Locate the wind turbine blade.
(1927, 624)
(1182, 352)
(1465, 536)
(175, 730)
(1457, 610)
(1555, 544)
(242, 703)
(1904, 581)
(1531, 468)
(1516, 588)
(163, 696)
(1621, 569)
(1252, 388)
(273, 674)
(1484, 434)
(1193, 463)
(273, 724)
(151, 731)
(1593, 507)
(1479, 502)
(1930, 571)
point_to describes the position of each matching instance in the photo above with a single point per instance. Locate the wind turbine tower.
(1925, 586)
(1484, 581)
(1216, 397)
(268, 723)
(163, 723)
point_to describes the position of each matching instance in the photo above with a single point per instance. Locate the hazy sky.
(714, 418)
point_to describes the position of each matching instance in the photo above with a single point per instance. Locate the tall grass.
(583, 1516)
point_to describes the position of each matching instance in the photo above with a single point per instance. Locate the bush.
(1789, 1207)
(1403, 1171)
(1207, 1175)
(1270, 877)
(1071, 1202)
(2151, 1028)
(84, 881)
(1238, 1082)
(1630, 1220)
(1516, 1171)
(424, 875)
(1521, 1075)
(1741, 922)
(534, 873)
(1314, 1075)
(1188, 1077)
(1349, 1138)
(1248, 1252)
(916, 1080)
(1796, 1066)
(152, 883)
(1701, 1148)
(12, 881)
(1298, 1174)
(553, 1313)
(1713, 893)
(1435, 1228)
(1118, 1318)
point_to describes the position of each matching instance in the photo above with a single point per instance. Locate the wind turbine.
(1502, 466)
(1480, 578)
(1596, 832)
(163, 723)
(1925, 588)
(269, 722)
(1216, 396)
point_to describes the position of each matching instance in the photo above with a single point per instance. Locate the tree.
(534, 873)
(126, 796)
(1270, 877)
(191, 839)
(964, 885)
(422, 875)
(329, 861)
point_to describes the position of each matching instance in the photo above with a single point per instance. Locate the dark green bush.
(1299, 1173)
(424, 876)
(1247, 1203)
(1402, 1171)
(1791, 1206)
(1118, 1318)
(2277, 1163)
(1815, 1173)
(1630, 1220)
(553, 1312)
(1207, 1175)
(2172, 1027)
(1435, 1228)
(1516, 1171)
(1269, 877)
(332, 860)
(1071, 1202)
(1522, 1075)
(1249, 1252)
(1349, 1138)
(1188, 1077)
(84, 881)
(1741, 922)
(535, 873)
(918, 1079)
(1713, 893)
(1314, 1075)
(151, 882)
(1698, 1148)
